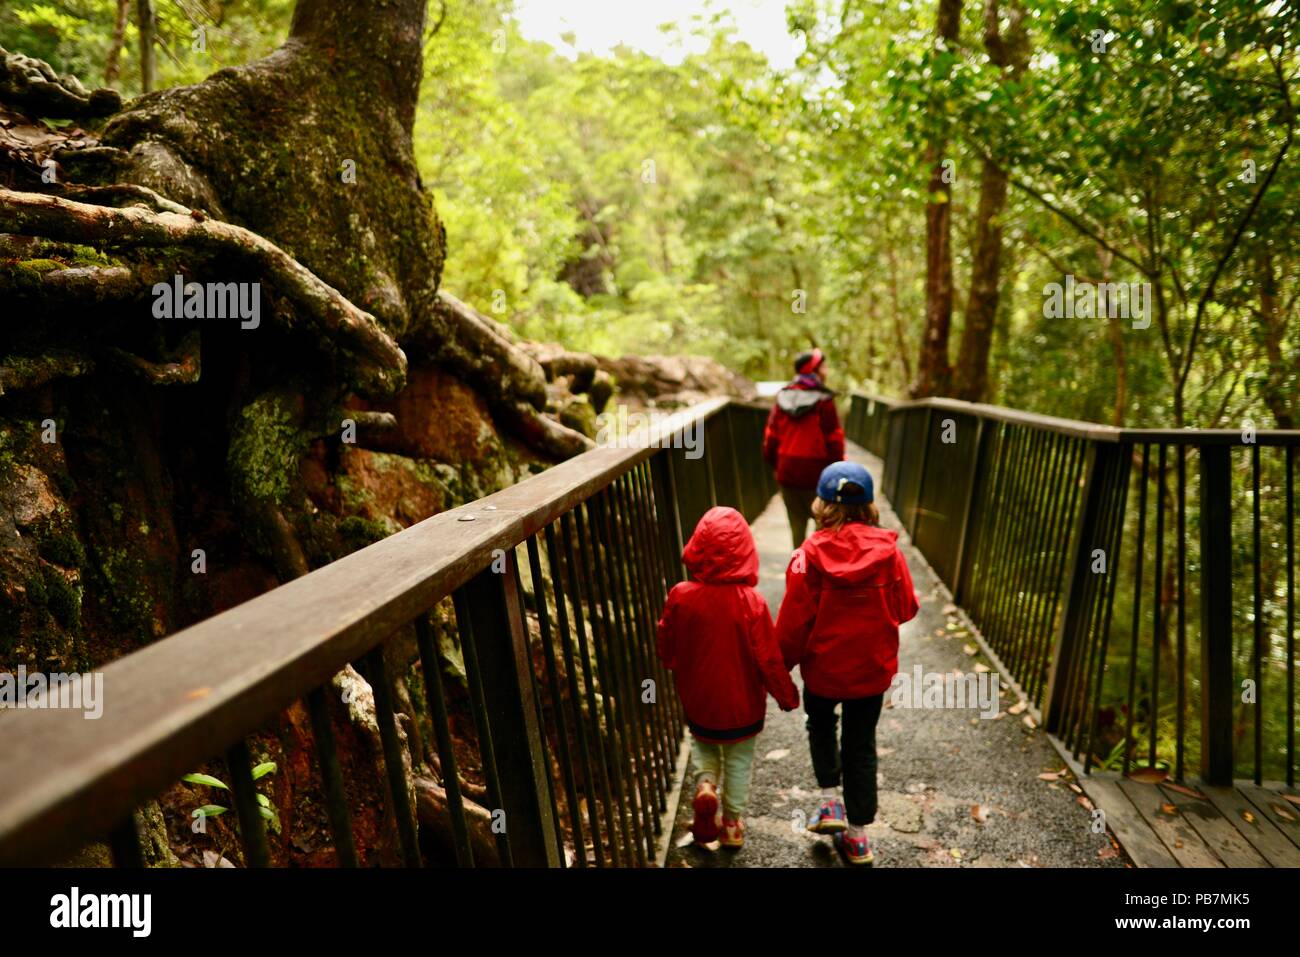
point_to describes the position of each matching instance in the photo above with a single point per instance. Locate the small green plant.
(216, 810)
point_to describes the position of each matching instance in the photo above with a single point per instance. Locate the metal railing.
(576, 758)
(1138, 584)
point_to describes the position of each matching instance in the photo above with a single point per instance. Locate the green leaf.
(209, 810)
(207, 779)
(263, 800)
(263, 769)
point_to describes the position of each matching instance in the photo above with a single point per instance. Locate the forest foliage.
(721, 206)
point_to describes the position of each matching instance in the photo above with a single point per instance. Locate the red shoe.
(733, 833)
(705, 825)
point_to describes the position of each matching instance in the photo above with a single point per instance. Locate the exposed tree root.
(18, 372)
(182, 368)
(378, 366)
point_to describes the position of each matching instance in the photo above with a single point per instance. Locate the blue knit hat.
(835, 476)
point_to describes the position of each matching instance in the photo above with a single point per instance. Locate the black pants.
(854, 752)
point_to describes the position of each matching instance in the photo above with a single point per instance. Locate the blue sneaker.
(830, 818)
(856, 850)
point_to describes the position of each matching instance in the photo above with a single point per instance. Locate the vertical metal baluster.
(1182, 610)
(615, 546)
(478, 706)
(570, 520)
(1256, 555)
(648, 655)
(600, 639)
(1082, 669)
(1157, 611)
(589, 785)
(1014, 511)
(336, 795)
(1290, 615)
(534, 683)
(1032, 553)
(1075, 478)
(1042, 583)
(1114, 545)
(1138, 565)
(639, 667)
(252, 830)
(431, 665)
(557, 705)
(404, 817)
(658, 522)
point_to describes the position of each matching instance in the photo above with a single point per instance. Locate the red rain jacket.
(846, 593)
(716, 635)
(803, 435)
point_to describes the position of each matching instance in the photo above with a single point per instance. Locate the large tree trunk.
(972, 372)
(933, 374)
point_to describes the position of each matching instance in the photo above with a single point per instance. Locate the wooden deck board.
(1262, 834)
(1174, 831)
(1218, 831)
(1284, 815)
(1130, 828)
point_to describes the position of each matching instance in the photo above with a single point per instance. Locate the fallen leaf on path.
(1248, 817)
(950, 609)
(1293, 798)
(1018, 707)
(1148, 775)
(979, 813)
(881, 752)
(1281, 811)
(1106, 853)
(1170, 809)
(1029, 721)
(1181, 789)
(1083, 802)
(777, 755)
(956, 853)
(970, 649)
(1050, 776)
(981, 669)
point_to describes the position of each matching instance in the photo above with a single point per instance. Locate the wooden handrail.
(66, 780)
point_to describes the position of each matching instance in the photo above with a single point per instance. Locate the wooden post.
(1217, 691)
(505, 664)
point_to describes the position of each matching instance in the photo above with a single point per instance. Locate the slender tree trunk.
(933, 374)
(1116, 333)
(972, 372)
(144, 14)
(1278, 395)
(119, 40)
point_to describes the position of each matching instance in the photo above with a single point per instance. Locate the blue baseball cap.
(835, 476)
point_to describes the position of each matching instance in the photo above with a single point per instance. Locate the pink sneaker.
(705, 825)
(830, 818)
(857, 850)
(733, 833)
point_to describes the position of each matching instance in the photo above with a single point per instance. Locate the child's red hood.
(722, 549)
(853, 554)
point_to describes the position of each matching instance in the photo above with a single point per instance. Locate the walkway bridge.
(1135, 589)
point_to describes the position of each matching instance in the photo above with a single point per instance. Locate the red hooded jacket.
(803, 434)
(716, 635)
(846, 593)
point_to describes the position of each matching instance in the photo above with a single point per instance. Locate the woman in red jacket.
(716, 637)
(847, 590)
(802, 437)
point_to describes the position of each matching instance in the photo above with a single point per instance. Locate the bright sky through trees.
(597, 26)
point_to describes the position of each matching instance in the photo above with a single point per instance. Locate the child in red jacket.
(847, 590)
(716, 637)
